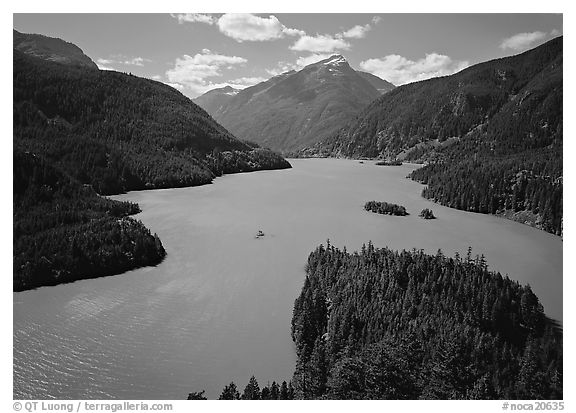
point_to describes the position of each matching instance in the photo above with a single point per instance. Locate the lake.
(219, 307)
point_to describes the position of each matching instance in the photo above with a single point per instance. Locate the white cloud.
(301, 62)
(319, 43)
(356, 32)
(105, 64)
(400, 70)
(376, 19)
(194, 18)
(244, 26)
(175, 85)
(522, 41)
(248, 27)
(244, 82)
(136, 61)
(193, 72)
(555, 32)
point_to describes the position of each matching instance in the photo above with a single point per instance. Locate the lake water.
(219, 307)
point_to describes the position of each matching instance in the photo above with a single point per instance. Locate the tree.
(252, 390)
(284, 391)
(230, 392)
(197, 396)
(426, 214)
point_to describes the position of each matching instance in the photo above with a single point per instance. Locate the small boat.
(259, 234)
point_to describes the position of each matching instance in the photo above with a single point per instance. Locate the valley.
(218, 308)
(399, 234)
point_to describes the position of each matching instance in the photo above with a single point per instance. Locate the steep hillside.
(492, 135)
(119, 132)
(52, 49)
(455, 105)
(296, 109)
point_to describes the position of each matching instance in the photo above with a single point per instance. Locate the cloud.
(376, 19)
(326, 43)
(319, 43)
(136, 61)
(193, 72)
(175, 85)
(248, 27)
(105, 64)
(194, 18)
(356, 32)
(555, 32)
(522, 41)
(301, 62)
(400, 70)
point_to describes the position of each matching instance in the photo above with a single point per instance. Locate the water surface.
(219, 307)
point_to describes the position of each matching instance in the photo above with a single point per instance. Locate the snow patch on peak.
(335, 60)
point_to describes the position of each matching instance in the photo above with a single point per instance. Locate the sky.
(198, 52)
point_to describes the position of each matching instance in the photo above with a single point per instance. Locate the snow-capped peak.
(335, 60)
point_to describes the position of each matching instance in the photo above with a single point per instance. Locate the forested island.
(385, 208)
(427, 214)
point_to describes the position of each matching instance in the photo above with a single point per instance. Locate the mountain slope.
(449, 106)
(215, 99)
(492, 135)
(52, 49)
(119, 132)
(381, 85)
(296, 109)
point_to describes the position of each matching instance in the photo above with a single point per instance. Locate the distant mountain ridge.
(52, 49)
(213, 100)
(296, 109)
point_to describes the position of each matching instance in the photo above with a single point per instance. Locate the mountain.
(296, 109)
(119, 132)
(381, 85)
(491, 134)
(52, 49)
(453, 106)
(215, 99)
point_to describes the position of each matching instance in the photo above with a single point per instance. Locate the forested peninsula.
(80, 133)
